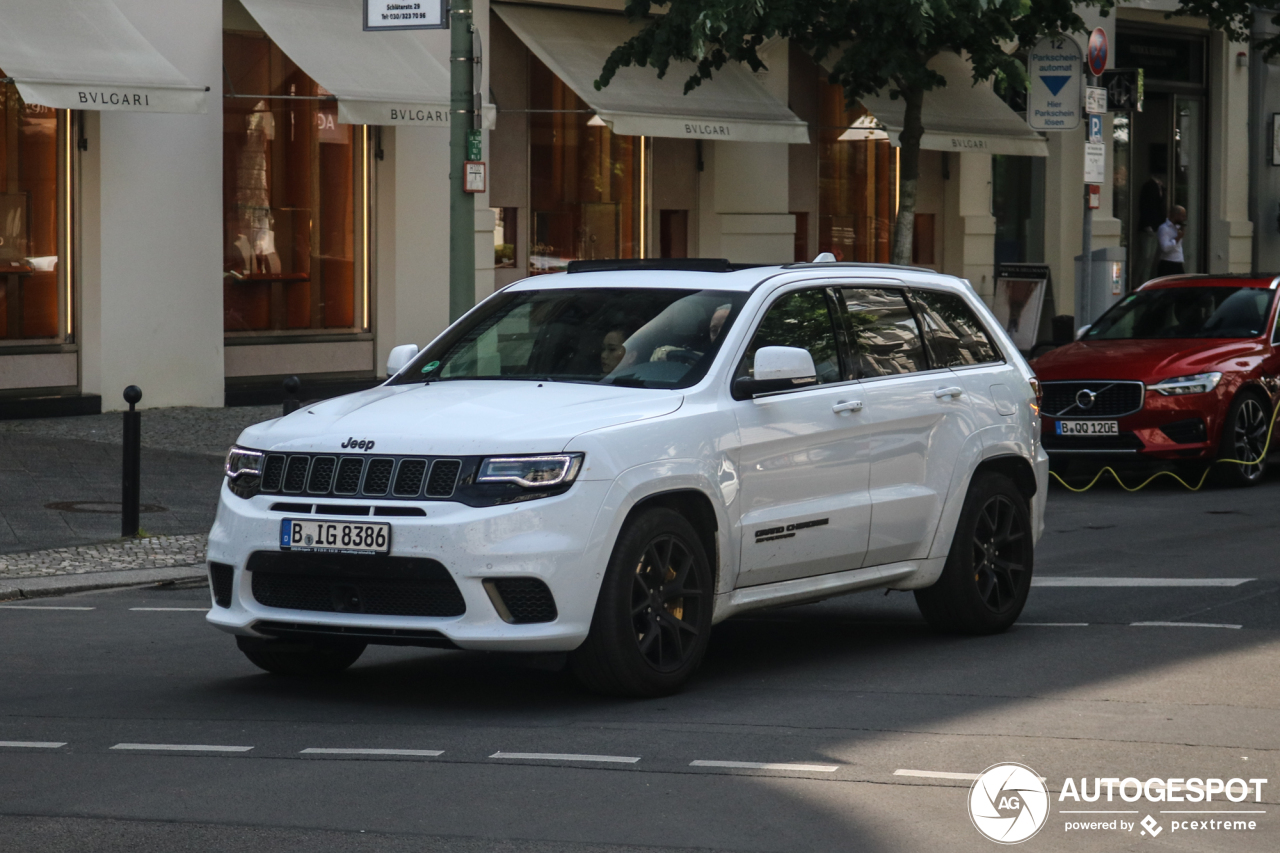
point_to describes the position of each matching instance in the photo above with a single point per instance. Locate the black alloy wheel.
(1244, 439)
(653, 615)
(665, 588)
(987, 577)
(998, 553)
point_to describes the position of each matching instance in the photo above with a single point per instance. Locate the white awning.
(378, 77)
(961, 116)
(86, 55)
(732, 106)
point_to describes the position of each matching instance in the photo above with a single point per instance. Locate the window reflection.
(883, 337)
(291, 174)
(28, 218)
(582, 180)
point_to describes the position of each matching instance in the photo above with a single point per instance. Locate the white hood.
(461, 418)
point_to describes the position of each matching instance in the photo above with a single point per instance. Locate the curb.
(40, 586)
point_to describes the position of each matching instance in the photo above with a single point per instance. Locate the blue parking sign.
(1095, 127)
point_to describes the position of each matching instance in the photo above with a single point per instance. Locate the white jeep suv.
(608, 461)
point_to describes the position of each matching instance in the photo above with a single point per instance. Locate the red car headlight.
(1201, 383)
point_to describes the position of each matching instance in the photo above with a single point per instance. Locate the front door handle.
(953, 391)
(847, 406)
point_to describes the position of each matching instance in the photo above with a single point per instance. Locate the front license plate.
(1088, 428)
(334, 537)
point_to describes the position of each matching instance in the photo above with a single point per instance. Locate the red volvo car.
(1184, 368)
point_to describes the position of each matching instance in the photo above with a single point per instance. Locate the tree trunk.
(909, 175)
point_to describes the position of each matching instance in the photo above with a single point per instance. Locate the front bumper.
(549, 539)
(1168, 428)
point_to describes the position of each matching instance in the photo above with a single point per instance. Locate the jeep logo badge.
(358, 444)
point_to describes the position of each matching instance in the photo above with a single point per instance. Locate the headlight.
(1199, 384)
(531, 472)
(241, 460)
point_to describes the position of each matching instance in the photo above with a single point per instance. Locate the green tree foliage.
(873, 46)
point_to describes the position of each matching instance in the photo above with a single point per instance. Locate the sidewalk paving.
(60, 493)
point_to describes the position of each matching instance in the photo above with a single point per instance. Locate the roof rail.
(819, 264)
(679, 264)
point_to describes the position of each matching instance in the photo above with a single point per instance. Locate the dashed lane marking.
(1136, 582)
(565, 756)
(33, 744)
(182, 747)
(757, 765)
(1181, 625)
(39, 607)
(172, 609)
(317, 750)
(936, 774)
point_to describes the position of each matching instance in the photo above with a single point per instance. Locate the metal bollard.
(292, 386)
(131, 477)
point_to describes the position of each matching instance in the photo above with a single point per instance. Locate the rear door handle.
(954, 391)
(849, 406)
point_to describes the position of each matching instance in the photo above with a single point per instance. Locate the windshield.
(1185, 312)
(638, 337)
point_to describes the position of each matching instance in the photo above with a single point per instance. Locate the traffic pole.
(462, 208)
(1084, 302)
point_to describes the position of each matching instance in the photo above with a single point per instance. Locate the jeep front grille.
(327, 475)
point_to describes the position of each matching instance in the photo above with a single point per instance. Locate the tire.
(1244, 435)
(985, 582)
(653, 616)
(281, 657)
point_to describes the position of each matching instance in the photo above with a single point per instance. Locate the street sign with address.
(406, 15)
(1055, 66)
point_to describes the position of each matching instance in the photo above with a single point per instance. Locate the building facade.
(204, 198)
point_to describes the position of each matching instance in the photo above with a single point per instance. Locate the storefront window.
(857, 182)
(31, 283)
(294, 199)
(584, 180)
(1017, 201)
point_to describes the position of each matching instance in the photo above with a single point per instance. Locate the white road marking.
(565, 756)
(937, 774)
(33, 744)
(1181, 625)
(39, 607)
(172, 609)
(756, 765)
(1054, 624)
(315, 750)
(182, 747)
(1093, 811)
(1224, 811)
(1113, 582)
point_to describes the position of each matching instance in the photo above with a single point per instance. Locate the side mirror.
(1080, 331)
(399, 357)
(777, 369)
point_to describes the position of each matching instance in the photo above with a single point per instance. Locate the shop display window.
(857, 182)
(584, 180)
(296, 194)
(33, 297)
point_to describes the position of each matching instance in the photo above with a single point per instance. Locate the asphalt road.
(848, 692)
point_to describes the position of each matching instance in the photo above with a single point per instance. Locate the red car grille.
(1099, 398)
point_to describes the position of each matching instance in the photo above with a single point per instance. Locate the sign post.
(462, 206)
(1095, 171)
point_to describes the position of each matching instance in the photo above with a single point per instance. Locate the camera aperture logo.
(1008, 803)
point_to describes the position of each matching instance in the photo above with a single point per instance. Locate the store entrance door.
(1160, 152)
